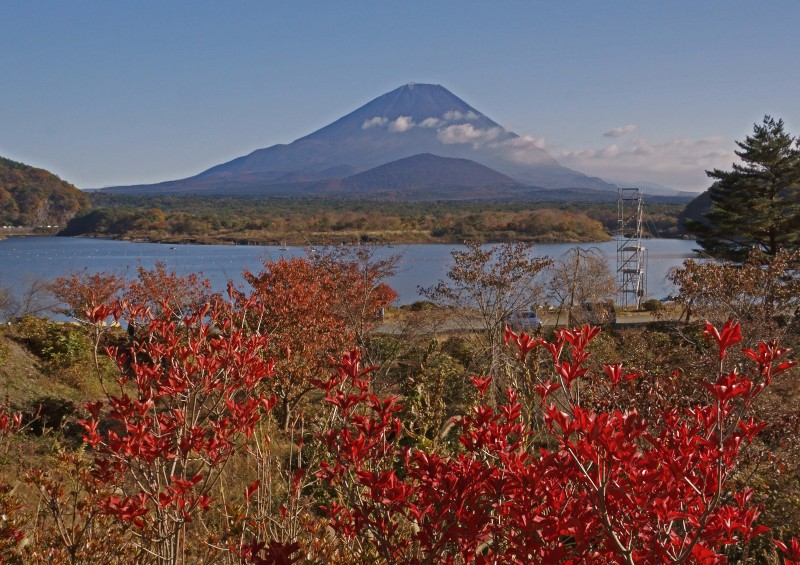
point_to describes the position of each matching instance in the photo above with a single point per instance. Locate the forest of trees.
(33, 197)
(314, 221)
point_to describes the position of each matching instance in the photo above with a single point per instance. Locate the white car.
(525, 320)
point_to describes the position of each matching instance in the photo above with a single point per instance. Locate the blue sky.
(111, 92)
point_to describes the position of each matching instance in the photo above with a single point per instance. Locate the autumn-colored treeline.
(34, 197)
(273, 423)
(303, 221)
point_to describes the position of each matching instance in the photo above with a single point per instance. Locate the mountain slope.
(410, 120)
(35, 197)
(426, 171)
(404, 122)
(695, 211)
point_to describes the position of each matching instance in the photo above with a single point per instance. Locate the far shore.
(27, 232)
(301, 240)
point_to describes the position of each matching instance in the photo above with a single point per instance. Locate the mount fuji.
(411, 120)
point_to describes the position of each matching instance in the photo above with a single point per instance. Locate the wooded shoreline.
(220, 221)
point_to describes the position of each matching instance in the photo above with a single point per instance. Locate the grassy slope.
(26, 379)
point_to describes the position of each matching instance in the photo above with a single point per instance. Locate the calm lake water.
(25, 258)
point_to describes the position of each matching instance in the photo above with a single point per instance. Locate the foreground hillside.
(244, 434)
(34, 197)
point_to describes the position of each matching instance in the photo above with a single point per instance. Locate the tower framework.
(631, 254)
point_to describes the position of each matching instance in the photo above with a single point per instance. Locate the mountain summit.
(423, 105)
(410, 120)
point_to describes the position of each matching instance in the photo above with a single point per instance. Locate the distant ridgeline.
(35, 197)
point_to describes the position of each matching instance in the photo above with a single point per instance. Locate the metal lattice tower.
(631, 255)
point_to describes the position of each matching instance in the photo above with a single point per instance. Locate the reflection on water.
(24, 258)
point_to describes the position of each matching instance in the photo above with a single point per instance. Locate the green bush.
(652, 305)
(4, 351)
(58, 343)
(419, 306)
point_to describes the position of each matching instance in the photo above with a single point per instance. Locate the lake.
(26, 258)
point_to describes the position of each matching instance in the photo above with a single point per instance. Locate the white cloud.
(619, 132)
(526, 149)
(678, 163)
(467, 133)
(372, 122)
(457, 116)
(401, 124)
(526, 141)
(430, 122)
(589, 154)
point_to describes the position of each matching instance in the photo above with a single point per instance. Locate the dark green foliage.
(695, 212)
(105, 221)
(652, 305)
(419, 306)
(57, 344)
(34, 197)
(3, 347)
(757, 204)
(435, 389)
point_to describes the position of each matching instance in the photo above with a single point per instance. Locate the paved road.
(394, 326)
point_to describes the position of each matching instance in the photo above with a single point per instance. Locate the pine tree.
(757, 204)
